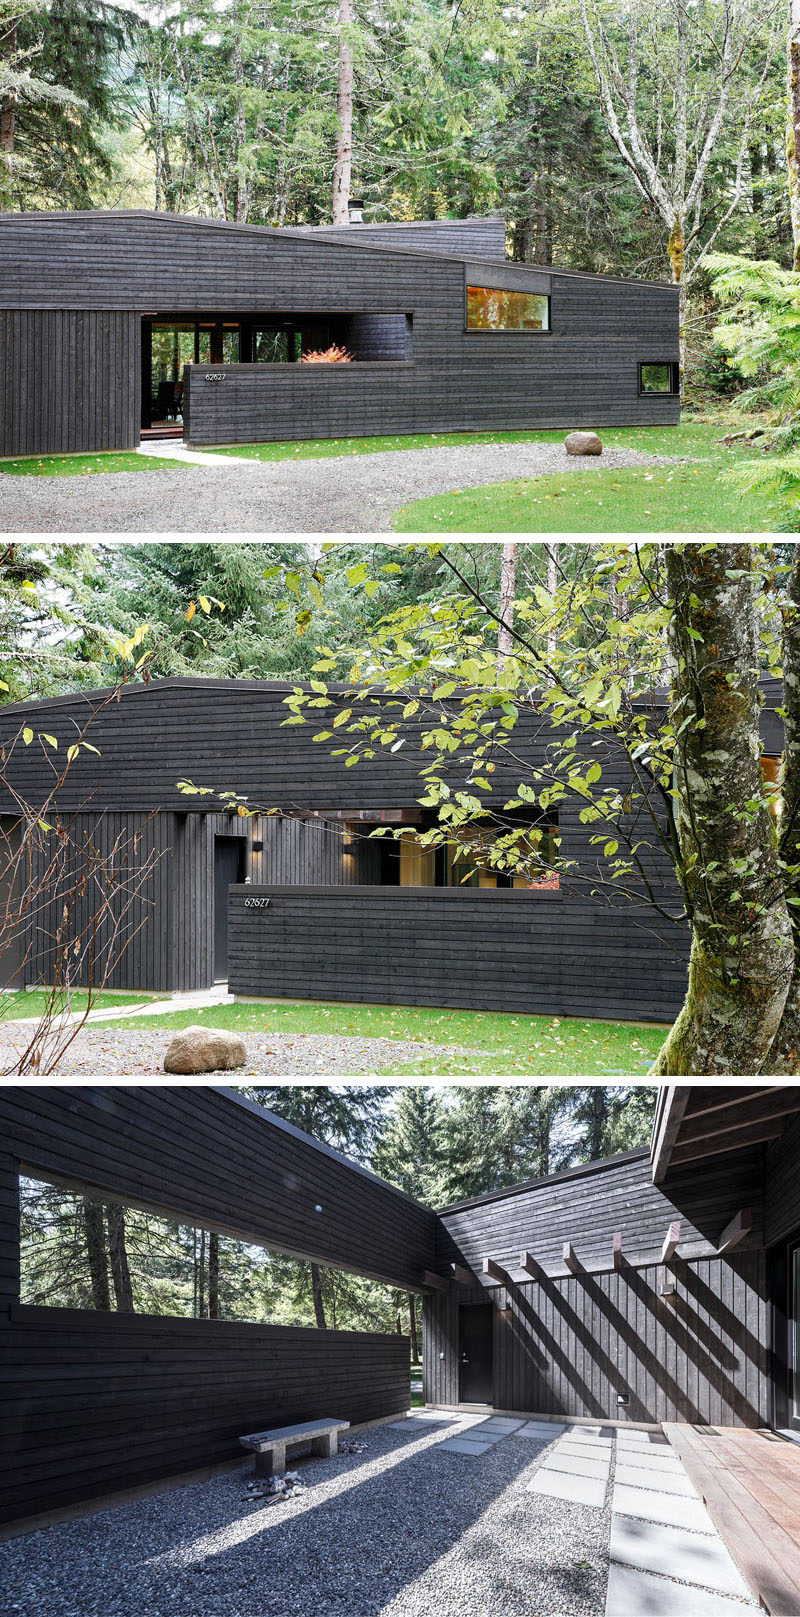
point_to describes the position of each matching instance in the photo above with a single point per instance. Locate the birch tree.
(793, 124)
(674, 93)
(343, 162)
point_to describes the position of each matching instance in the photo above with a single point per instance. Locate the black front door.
(228, 861)
(475, 1380)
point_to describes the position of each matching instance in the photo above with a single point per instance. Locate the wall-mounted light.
(317, 1209)
(668, 1295)
(355, 210)
(348, 842)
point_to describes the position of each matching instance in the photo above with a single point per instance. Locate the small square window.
(659, 376)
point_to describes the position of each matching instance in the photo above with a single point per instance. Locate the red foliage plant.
(328, 356)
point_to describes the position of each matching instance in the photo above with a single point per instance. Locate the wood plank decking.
(750, 1484)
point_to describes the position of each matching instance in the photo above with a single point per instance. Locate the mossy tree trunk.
(741, 961)
(784, 1057)
(793, 125)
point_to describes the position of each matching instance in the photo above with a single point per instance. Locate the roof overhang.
(697, 1121)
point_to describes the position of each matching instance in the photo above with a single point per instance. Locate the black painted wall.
(91, 1403)
(70, 379)
(508, 950)
(583, 371)
(569, 1344)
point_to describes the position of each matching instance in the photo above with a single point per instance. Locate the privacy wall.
(569, 1343)
(94, 1402)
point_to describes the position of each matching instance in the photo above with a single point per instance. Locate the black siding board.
(195, 1152)
(109, 1402)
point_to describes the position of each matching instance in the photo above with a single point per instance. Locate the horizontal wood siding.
(93, 1403)
(9, 1232)
(588, 1205)
(506, 950)
(569, 1345)
(199, 1153)
(484, 237)
(782, 1185)
(70, 380)
(583, 372)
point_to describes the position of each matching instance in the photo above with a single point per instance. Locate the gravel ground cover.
(100, 1052)
(350, 494)
(400, 1530)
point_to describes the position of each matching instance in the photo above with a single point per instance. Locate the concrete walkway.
(173, 449)
(198, 1001)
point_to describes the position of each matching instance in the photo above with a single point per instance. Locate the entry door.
(228, 861)
(475, 1380)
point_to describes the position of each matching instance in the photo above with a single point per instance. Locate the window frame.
(506, 331)
(673, 365)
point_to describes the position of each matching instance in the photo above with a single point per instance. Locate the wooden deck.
(750, 1484)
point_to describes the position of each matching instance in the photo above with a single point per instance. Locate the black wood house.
(118, 323)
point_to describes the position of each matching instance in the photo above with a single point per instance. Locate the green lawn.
(24, 1004)
(685, 498)
(493, 1042)
(125, 460)
(329, 448)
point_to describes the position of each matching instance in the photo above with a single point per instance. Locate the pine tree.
(412, 1150)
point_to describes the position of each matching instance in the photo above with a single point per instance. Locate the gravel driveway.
(135, 1052)
(401, 1530)
(350, 494)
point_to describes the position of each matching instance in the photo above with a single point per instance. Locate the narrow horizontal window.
(659, 377)
(490, 309)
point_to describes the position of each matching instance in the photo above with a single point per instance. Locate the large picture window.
(491, 309)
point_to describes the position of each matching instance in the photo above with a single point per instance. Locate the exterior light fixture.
(355, 211)
(317, 1209)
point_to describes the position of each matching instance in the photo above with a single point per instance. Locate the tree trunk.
(676, 248)
(508, 587)
(793, 124)
(120, 1273)
(344, 112)
(784, 1058)
(316, 1293)
(741, 954)
(8, 119)
(94, 1230)
(213, 1276)
(412, 1323)
(201, 1278)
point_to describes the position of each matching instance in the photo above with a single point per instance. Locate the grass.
(492, 1042)
(331, 448)
(125, 460)
(687, 498)
(25, 1004)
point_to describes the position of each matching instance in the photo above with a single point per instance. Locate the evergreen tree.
(64, 139)
(412, 1149)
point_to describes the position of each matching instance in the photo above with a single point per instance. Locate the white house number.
(256, 903)
(215, 376)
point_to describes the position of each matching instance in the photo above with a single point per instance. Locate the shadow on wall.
(579, 1342)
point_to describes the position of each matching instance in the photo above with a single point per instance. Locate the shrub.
(328, 356)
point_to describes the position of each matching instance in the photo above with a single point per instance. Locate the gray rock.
(583, 443)
(205, 1049)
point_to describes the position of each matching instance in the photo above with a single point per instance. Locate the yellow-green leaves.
(27, 735)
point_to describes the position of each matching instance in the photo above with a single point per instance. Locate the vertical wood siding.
(570, 1344)
(90, 1403)
(782, 1185)
(70, 380)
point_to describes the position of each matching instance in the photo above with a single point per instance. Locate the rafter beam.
(530, 1266)
(433, 1281)
(735, 1232)
(767, 1107)
(748, 1134)
(462, 1276)
(495, 1271)
(670, 1246)
(569, 1258)
(672, 1105)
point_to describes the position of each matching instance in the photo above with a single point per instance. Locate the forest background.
(438, 1144)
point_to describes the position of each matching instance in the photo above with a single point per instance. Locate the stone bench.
(270, 1447)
